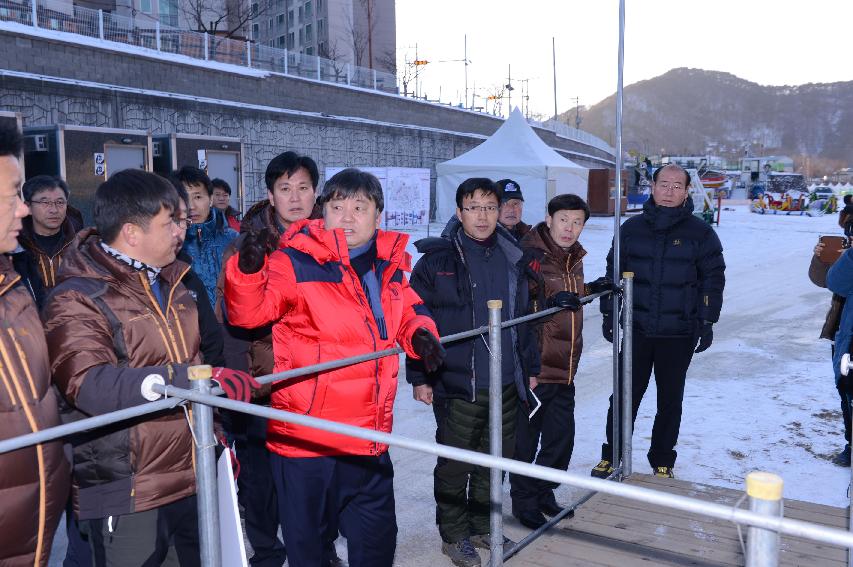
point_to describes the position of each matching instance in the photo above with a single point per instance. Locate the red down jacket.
(320, 313)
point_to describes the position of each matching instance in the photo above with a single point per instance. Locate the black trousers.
(142, 539)
(461, 490)
(316, 495)
(551, 430)
(669, 359)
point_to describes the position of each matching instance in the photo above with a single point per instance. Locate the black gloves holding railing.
(254, 248)
(564, 299)
(706, 336)
(600, 285)
(238, 385)
(427, 347)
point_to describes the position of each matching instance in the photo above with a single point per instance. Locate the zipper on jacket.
(473, 321)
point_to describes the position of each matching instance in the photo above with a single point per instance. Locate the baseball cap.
(511, 190)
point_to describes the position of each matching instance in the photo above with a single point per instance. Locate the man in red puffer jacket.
(336, 288)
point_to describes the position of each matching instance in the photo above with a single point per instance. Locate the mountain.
(692, 111)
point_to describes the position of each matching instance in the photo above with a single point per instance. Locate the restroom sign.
(100, 165)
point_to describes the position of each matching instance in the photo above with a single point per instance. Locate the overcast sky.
(771, 42)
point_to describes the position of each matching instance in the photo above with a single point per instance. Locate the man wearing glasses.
(474, 261)
(678, 266)
(46, 233)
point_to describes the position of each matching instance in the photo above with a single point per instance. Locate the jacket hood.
(260, 216)
(87, 259)
(663, 218)
(312, 238)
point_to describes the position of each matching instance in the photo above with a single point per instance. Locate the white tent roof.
(516, 152)
(514, 144)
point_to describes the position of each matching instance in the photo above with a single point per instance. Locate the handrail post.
(206, 46)
(319, 75)
(205, 458)
(157, 32)
(495, 432)
(765, 497)
(374, 79)
(627, 377)
(348, 74)
(249, 53)
(101, 24)
(35, 14)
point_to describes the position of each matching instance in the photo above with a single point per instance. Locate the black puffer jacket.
(678, 266)
(442, 280)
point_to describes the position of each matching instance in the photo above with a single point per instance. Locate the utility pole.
(577, 113)
(417, 73)
(525, 97)
(554, 60)
(509, 89)
(466, 70)
(370, 33)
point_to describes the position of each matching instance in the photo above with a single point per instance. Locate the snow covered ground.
(761, 398)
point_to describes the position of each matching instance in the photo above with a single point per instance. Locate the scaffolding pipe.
(496, 531)
(765, 497)
(205, 469)
(627, 372)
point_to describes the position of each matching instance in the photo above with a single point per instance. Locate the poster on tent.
(406, 192)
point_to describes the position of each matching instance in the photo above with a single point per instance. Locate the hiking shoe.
(842, 459)
(664, 472)
(484, 541)
(548, 505)
(603, 469)
(461, 553)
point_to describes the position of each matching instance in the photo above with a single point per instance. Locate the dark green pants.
(462, 489)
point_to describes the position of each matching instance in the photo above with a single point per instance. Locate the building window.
(168, 12)
(301, 36)
(291, 40)
(320, 27)
(255, 8)
(280, 20)
(256, 31)
(309, 35)
(145, 6)
(281, 41)
(290, 18)
(319, 6)
(308, 12)
(309, 51)
(301, 15)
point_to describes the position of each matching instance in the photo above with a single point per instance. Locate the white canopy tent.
(517, 153)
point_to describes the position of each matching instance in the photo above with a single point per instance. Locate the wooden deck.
(608, 530)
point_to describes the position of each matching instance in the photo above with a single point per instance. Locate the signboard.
(100, 165)
(406, 192)
(202, 159)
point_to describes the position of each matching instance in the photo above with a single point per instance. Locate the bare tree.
(224, 18)
(331, 52)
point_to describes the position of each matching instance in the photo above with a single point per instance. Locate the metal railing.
(765, 521)
(148, 32)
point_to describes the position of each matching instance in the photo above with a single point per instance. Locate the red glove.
(238, 385)
(234, 462)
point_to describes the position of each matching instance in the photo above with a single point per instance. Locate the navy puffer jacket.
(205, 244)
(678, 266)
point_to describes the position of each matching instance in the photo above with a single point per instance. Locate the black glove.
(706, 336)
(564, 299)
(426, 346)
(600, 285)
(254, 248)
(607, 328)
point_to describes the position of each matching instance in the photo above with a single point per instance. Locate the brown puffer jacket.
(33, 481)
(149, 464)
(260, 216)
(47, 265)
(817, 274)
(560, 336)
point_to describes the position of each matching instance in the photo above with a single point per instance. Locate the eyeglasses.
(488, 209)
(666, 186)
(59, 203)
(183, 223)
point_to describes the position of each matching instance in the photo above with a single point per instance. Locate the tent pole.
(617, 213)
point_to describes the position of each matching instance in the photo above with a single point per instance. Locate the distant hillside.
(692, 111)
